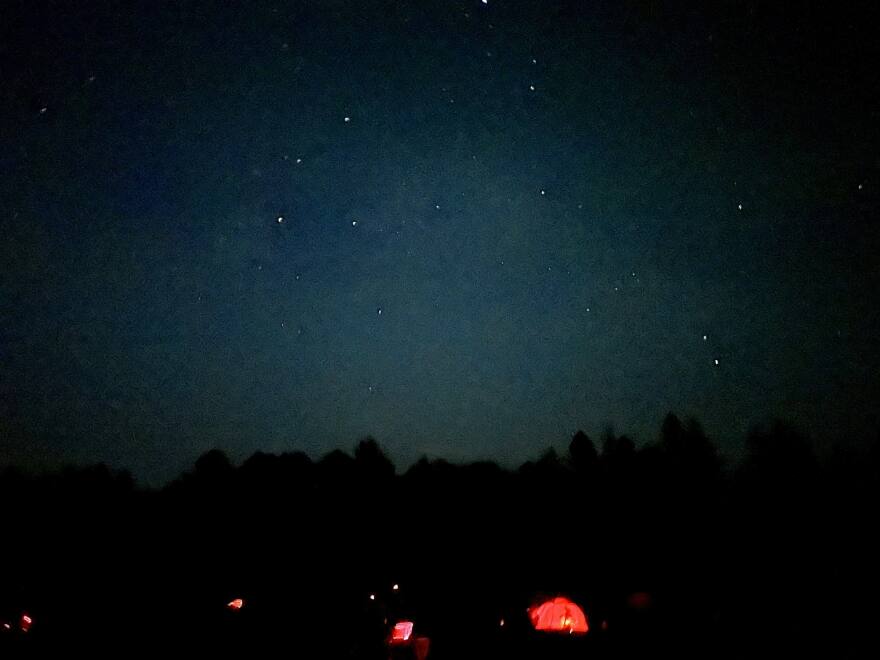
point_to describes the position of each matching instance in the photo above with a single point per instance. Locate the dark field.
(667, 550)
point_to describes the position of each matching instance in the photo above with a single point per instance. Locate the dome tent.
(559, 615)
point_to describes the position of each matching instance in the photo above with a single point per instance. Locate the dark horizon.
(823, 449)
(666, 552)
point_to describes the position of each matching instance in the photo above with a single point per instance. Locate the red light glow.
(25, 623)
(640, 600)
(402, 632)
(559, 615)
(235, 604)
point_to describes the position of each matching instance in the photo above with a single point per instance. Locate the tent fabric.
(401, 632)
(559, 615)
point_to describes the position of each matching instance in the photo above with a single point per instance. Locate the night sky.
(466, 228)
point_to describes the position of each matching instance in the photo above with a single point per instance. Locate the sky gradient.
(467, 229)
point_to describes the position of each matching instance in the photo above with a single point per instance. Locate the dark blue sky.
(499, 223)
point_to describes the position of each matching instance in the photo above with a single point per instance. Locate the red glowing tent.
(401, 632)
(559, 615)
(404, 644)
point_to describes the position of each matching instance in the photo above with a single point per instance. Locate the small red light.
(236, 604)
(25, 623)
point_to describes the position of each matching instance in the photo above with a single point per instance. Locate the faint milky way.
(463, 227)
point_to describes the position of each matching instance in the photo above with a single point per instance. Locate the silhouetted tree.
(372, 462)
(582, 453)
(213, 465)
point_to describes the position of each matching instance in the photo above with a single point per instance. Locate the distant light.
(501, 623)
(532, 87)
(739, 206)
(25, 623)
(543, 193)
(299, 160)
(354, 223)
(485, 2)
(372, 596)
(379, 312)
(396, 587)
(43, 110)
(704, 337)
(6, 626)
(280, 219)
(716, 362)
(860, 186)
(235, 604)
(347, 119)
(604, 625)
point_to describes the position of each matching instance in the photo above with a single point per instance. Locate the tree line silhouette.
(665, 546)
